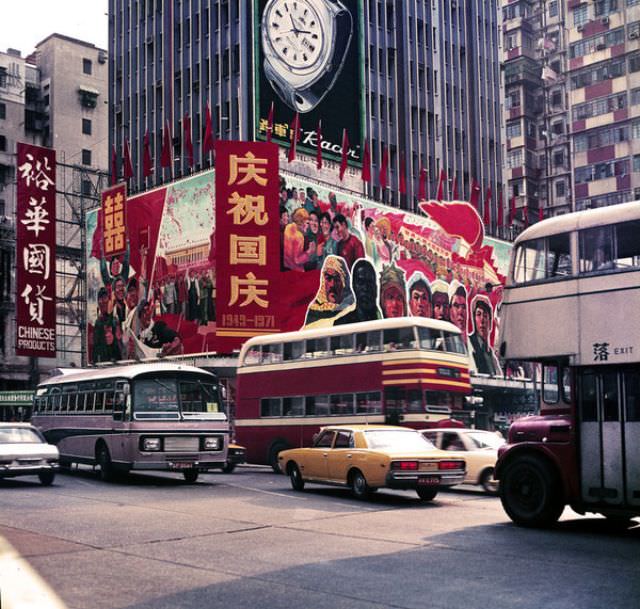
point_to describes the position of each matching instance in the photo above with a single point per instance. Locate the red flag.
(270, 123)
(147, 163)
(167, 147)
(128, 168)
(295, 134)
(525, 215)
(345, 153)
(474, 198)
(366, 163)
(402, 187)
(422, 185)
(540, 212)
(208, 141)
(114, 165)
(441, 182)
(512, 210)
(500, 209)
(188, 145)
(319, 145)
(454, 194)
(487, 208)
(383, 168)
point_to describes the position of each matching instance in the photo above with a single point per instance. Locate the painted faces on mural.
(393, 301)
(482, 319)
(333, 286)
(364, 285)
(440, 302)
(458, 311)
(419, 301)
(119, 289)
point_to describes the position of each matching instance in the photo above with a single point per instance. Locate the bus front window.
(200, 400)
(155, 399)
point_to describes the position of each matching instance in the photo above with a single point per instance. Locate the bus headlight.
(212, 443)
(151, 444)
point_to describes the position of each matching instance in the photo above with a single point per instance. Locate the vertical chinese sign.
(36, 251)
(247, 242)
(114, 224)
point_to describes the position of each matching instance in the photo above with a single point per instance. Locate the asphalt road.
(248, 540)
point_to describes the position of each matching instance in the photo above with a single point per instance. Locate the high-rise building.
(55, 97)
(419, 81)
(572, 93)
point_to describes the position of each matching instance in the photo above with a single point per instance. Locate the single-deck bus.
(140, 417)
(409, 370)
(572, 303)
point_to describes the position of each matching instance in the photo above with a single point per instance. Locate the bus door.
(603, 454)
(631, 382)
(118, 403)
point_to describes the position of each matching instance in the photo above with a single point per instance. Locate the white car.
(25, 452)
(477, 447)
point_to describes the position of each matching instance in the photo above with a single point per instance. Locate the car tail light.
(404, 465)
(451, 465)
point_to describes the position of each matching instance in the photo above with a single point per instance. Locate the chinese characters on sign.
(36, 252)
(114, 224)
(247, 241)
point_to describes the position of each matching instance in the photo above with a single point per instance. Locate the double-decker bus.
(572, 303)
(408, 370)
(159, 416)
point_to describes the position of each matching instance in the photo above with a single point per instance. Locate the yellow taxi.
(367, 457)
(477, 447)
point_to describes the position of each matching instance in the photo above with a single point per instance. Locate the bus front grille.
(181, 443)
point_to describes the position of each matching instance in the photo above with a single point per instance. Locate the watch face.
(295, 32)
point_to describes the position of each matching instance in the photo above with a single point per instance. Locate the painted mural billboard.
(342, 259)
(309, 58)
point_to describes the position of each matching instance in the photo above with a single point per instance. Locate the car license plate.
(428, 480)
(181, 465)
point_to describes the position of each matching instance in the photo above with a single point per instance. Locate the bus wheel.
(190, 475)
(359, 486)
(47, 478)
(427, 494)
(107, 473)
(488, 482)
(274, 451)
(297, 482)
(530, 492)
(228, 468)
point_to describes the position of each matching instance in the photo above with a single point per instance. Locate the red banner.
(247, 241)
(114, 220)
(36, 251)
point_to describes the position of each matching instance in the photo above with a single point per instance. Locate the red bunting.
(441, 182)
(128, 168)
(147, 162)
(403, 180)
(512, 210)
(486, 219)
(383, 168)
(188, 144)
(167, 147)
(319, 145)
(295, 134)
(366, 163)
(454, 194)
(422, 184)
(208, 141)
(500, 209)
(474, 198)
(345, 153)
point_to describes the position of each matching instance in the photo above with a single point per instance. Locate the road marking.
(20, 586)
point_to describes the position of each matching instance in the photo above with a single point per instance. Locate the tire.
(273, 456)
(103, 458)
(297, 481)
(359, 486)
(228, 468)
(488, 482)
(427, 493)
(47, 478)
(190, 475)
(531, 493)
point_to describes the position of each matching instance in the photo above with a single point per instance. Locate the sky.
(25, 23)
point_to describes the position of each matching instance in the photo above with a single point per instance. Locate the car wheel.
(297, 481)
(228, 468)
(47, 478)
(531, 493)
(107, 473)
(488, 482)
(427, 493)
(190, 475)
(274, 451)
(359, 486)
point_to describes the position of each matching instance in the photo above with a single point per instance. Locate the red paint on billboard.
(114, 222)
(35, 251)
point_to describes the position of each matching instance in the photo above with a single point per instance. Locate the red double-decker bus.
(571, 303)
(409, 370)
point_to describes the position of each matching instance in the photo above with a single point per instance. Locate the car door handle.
(349, 456)
(325, 454)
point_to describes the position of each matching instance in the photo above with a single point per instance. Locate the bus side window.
(293, 351)
(342, 344)
(271, 407)
(628, 245)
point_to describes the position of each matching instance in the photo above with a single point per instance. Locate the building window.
(604, 7)
(636, 163)
(3, 111)
(553, 8)
(3, 208)
(558, 158)
(86, 126)
(86, 157)
(87, 66)
(514, 129)
(3, 143)
(580, 15)
(514, 158)
(560, 188)
(86, 187)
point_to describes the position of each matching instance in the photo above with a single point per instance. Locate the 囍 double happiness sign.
(36, 251)
(247, 242)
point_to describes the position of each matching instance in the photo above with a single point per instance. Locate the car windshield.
(486, 440)
(396, 440)
(19, 435)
